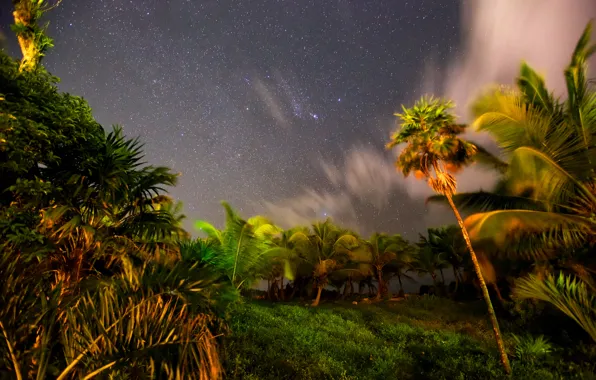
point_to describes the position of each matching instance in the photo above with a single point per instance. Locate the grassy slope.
(415, 339)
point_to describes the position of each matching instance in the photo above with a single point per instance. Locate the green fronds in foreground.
(155, 335)
(569, 294)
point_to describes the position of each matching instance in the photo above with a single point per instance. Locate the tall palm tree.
(546, 200)
(433, 148)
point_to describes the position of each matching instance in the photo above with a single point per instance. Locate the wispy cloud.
(273, 105)
(366, 178)
(500, 34)
(497, 36)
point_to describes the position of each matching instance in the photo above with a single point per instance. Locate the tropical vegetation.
(100, 279)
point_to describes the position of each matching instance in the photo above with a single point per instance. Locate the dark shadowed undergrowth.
(426, 338)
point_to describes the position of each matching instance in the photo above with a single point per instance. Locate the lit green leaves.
(431, 134)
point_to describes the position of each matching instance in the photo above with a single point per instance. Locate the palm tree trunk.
(316, 301)
(268, 289)
(347, 289)
(294, 288)
(456, 275)
(442, 275)
(381, 284)
(491, 310)
(282, 293)
(401, 286)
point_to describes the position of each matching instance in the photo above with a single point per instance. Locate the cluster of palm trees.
(310, 258)
(543, 209)
(304, 260)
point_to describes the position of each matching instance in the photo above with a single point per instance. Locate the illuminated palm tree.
(433, 149)
(546, 199)
(545, 203)
(327, 251)
(245, 247)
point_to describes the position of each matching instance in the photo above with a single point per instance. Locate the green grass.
(423, 338)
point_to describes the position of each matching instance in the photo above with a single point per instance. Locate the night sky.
(279, 107)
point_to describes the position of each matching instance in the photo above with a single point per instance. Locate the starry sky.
(281, 107)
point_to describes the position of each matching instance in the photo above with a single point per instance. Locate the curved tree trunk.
(318, 299)
(491, 310)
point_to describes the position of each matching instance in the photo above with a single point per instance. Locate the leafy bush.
(531, 348)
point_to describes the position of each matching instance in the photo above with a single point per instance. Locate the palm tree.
(110, 209)
(574, 296)
(433, 149)
(546, 200)
(429, 262)
(290, 242)
(96, 288)
(245, 247)
(547, 196)
(405, 257)
(383, 250)
(449, 242)
(328, 250)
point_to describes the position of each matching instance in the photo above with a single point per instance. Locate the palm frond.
(534, 89)
(483, 201)
(113, 335)
(511, 122)
(527, 233)
(487, 159)
(555, 175)
(567, 293)
(575, 77)
(208, 229)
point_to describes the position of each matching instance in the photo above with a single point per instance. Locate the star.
(183, 77)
